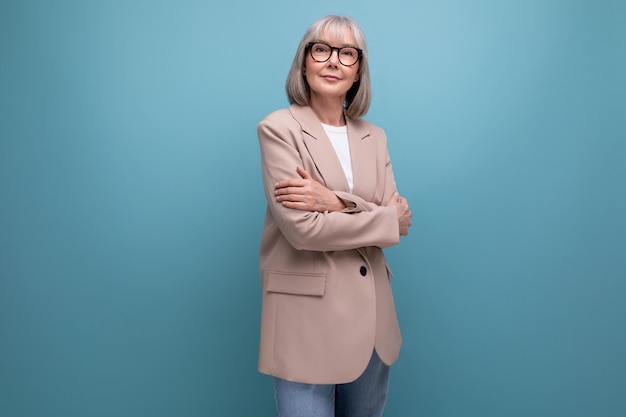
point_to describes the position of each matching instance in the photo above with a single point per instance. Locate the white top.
(338, 136)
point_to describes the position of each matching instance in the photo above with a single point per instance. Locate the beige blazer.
(326, 295)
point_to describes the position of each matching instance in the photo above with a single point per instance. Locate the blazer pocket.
(296, 283)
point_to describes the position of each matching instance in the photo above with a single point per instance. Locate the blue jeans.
(364, 397)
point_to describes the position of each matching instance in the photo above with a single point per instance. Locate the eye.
(348, 52)
(320, 48)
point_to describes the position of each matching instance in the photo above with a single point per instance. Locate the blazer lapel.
(363, 155)
(319, 147)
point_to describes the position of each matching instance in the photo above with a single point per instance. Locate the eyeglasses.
(321, 52)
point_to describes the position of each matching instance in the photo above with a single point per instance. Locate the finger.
(291, 182)
(304, 174)
(291, 199)
(283, 183)
(296, 206)
(288, 191)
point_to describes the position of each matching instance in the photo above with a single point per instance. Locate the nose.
(334, 56)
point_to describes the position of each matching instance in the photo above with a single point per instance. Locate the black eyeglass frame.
(332, 48)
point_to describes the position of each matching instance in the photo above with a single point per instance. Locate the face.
(331, 79)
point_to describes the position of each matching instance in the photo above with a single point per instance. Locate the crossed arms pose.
(304, 193)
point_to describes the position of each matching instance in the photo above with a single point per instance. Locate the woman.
(328, 326)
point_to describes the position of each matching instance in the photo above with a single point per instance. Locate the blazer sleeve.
(282, 149)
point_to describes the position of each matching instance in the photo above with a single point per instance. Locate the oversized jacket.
(326, 293)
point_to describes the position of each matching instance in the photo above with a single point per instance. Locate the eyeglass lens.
(347, 56)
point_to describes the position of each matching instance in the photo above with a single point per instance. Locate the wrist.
(339, 205)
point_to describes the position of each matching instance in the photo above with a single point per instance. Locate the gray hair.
(359, 96)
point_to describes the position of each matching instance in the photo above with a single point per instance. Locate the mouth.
(330, 78)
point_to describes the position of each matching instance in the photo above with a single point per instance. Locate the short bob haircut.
(359, 96)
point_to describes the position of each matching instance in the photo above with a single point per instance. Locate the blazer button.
(363, 271)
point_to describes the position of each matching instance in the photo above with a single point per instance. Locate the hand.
(306, 194)
(404, 214)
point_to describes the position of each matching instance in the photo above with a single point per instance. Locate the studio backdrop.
(131, 204)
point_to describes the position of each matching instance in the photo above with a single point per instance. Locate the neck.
(329, 112)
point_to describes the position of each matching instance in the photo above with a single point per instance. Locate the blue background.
(131, 204)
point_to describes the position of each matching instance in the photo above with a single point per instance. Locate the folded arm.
(325, 230)
(306, 194)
